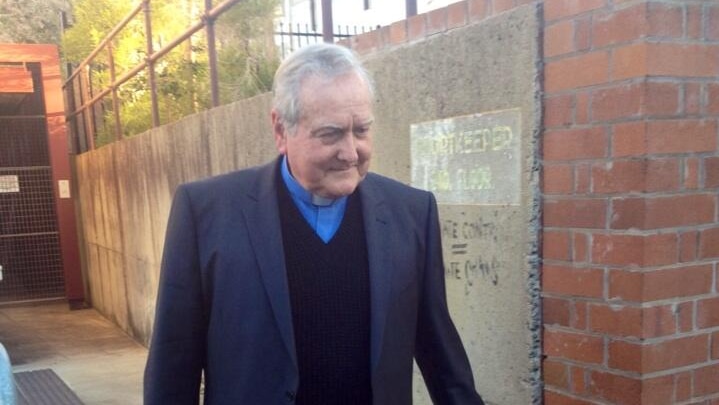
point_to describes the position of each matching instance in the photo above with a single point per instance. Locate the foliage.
(31, 21)
(246, 57)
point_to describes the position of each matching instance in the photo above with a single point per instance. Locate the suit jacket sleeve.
(439, 351)
(176, 356)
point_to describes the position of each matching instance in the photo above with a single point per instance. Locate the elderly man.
(306, 280)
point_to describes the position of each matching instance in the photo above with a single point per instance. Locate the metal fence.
(94, 105)
(290, 37)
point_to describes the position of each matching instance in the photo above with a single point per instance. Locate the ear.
(278, 129)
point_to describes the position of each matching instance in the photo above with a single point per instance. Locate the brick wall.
(630, 194)
(631, 306)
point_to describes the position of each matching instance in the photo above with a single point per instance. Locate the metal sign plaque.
(472, 159)
(9, 184)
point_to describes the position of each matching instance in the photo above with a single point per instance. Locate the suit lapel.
(376, 223)
(263, 221)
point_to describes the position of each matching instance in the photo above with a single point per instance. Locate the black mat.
(43, 387)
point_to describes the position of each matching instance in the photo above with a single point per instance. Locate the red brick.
(582, 178)
(658, 321)
(660, 356)
(694, 21)
(580, 247)
(578, 380)
(709, 243)
(615, 320)
(683, 386)
(478, 9)
(555, 311)
(629, 139)
(706, 380)
(625, 356)
(627, 250)
(573, 144)
(577, 71)
(558, 111)
(555, 374)
(622, 101)
(581, 114)
(711, 172)
(558, 179)
(398, 32)
(713, 98)
(417, 26)
(678, 282)
(575, 213)
(626, 285)
(685, 313)
(555, 9)
(499, 6)
(660, 284)
(366, 42)
(437, 21)
(662, 175)
(573, 282)
(556, 245)
(636, 176)
(688, 246)
(555, 398)
(457, 14)
(675, 353)
(652, 213)
(583, 33)
(664, 20)
(691, 173)
(578, 315)
(658, 391)
(614, 388)
(559, 39)
(692, 98)
(681, 136)
(712, 27)
(665, 59)
(715, 346)
(660, 99)
(708, 313)
(619, 26)
(573, 346)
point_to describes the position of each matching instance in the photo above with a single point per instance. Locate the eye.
(361, 132)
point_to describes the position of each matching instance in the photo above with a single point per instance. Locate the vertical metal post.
(115, 101)
(212, 54)
(86, 113)
(327, 35)
(151, 64)
(411, 7)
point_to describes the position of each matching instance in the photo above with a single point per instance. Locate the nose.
(348, 149)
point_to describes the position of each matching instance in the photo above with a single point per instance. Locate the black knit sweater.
(329, 295)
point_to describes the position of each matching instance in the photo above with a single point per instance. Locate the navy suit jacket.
(223, 303)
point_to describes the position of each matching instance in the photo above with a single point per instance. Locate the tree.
(246, 54)
(31, 21)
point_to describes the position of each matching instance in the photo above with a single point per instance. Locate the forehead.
(343, 94)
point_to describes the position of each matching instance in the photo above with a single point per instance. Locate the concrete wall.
(125, 190)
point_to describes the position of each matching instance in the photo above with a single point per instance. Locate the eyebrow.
(331, 126)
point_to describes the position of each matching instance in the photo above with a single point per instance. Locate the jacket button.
(291, 395)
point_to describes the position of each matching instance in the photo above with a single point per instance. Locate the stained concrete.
(98, 361)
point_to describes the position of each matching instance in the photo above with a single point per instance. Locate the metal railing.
(290, 37)
(96, 78)
(84, 100)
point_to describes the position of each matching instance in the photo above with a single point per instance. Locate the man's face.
(330, 150)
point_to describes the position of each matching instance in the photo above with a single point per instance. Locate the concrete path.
(97, 360)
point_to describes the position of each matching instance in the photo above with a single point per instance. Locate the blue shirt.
(323, 214)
